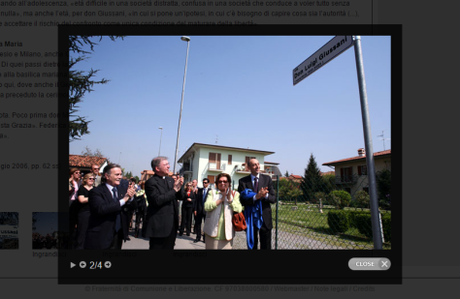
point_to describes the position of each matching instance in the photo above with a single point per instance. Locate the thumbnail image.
(45, 233)
(9, 223)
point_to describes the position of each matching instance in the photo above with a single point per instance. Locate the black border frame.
(245, 267)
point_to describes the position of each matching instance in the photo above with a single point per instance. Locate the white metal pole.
(374, 204)
(187, 39)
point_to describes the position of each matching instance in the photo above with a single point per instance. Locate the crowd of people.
(102, 208)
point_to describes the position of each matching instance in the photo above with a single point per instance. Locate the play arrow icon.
(72, 265)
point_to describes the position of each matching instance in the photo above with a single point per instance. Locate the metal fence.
(329, 214)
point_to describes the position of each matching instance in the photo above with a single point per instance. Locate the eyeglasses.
(205, 182)
(222, 182)
(92, 179)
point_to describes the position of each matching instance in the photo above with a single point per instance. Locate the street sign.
(329, 51)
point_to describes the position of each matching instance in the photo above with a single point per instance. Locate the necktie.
(117, 221)
(256, 185)
(115, 194)
(204, 195)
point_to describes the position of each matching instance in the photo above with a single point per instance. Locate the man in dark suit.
(109, 204)
(263, 186)
(198, 209)
(162, 193)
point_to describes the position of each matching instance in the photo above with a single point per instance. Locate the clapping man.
(263, 187)
(162, 192)
(109, 203)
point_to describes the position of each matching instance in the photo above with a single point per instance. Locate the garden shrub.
(362, 199)
(338, 221)
(363, 222)
(340, 198)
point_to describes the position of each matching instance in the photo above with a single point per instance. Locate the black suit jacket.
(103, 214)
(264, 181)
(162, 212)
(198, 206)
(186, 203)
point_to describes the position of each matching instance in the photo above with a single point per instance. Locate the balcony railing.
(346, 179)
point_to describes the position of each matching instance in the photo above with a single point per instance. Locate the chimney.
(361, 152)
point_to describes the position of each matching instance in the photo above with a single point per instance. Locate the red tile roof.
(328, 172)
(376, 154)
(85, 161)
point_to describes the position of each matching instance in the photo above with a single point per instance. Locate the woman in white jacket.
(219, 206)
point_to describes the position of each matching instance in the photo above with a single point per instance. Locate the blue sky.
(238, 93)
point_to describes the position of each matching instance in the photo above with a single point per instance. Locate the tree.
(286, 174)
(312, 180)
(89, 153)
(289, 189)
(328, 183)
(81, 82)
(383, 181)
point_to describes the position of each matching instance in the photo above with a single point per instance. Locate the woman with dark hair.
(82, 209)
(187, 208)
(219, 206)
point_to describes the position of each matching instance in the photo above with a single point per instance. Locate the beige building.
(351, 173)
(208, 160)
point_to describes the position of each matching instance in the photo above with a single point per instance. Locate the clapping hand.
(178, 183)
(262, 193)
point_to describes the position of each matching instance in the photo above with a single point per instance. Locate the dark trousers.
(117, 241)
(199, 218)
(164, 243)
(139, 219)
(186, 222)
(265, 238)
(82, 226)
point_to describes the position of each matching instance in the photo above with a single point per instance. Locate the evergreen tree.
(312, 181)
(80, 82)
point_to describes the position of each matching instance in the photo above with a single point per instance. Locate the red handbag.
(239, 223)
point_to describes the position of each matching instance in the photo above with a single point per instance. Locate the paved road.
(182, 242)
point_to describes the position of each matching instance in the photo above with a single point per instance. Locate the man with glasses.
(95, 171)
(198, 209)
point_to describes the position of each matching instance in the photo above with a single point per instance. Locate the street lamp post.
(161, 135)
(186, 39)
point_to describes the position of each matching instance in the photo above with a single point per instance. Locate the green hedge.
(338, 221)
(362, 221)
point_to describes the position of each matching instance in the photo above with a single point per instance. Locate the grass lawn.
(305, 221)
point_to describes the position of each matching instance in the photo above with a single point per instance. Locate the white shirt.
(122, 202)
(258, 179)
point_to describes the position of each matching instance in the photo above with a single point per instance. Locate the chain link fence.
(329, 213)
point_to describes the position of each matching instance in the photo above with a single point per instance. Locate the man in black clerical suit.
(265, 193)
(162, 195)
(109, 203)
(198, 208)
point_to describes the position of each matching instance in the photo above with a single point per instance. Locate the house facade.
(208, 160)
(351, 173)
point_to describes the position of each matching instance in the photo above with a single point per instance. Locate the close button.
(369, 264)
